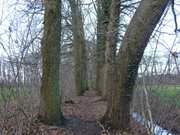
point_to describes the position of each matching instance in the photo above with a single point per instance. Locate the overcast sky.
(9, 14)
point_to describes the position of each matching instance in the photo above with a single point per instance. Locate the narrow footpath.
(82, 115)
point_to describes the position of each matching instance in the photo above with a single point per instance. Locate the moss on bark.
(50, 94)
(79, 48)
(131, 51)
(103, 17)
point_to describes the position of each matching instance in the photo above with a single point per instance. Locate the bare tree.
(103, 17)
(50, 94)
(79, 47)
(131, 51)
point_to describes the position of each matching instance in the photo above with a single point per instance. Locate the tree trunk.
(103, 16)
(81, 83)
(110, 52)
(131, 51)
(110, 77)
(50, 94)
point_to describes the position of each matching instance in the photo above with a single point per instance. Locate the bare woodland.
(89, 67)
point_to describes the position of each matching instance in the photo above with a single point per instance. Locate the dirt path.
(88, 107)
(86, 111)
(81, 116)
(83, 113)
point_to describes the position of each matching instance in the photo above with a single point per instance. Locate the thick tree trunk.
(110, 77)
(110, 52)
(81, 83)
(131, 51)
(103, 17)
(50, 94)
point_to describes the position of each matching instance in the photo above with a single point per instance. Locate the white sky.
(13, 19)
(9, 14)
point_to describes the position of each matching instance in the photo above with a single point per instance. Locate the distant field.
(7, 94)
(168, 93)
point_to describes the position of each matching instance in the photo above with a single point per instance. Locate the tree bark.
(81, 83)
(110, 52)
(110, 77)
(50, 94)
(131, 51)
(103, 17)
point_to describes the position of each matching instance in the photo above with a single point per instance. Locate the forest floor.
(82, 115)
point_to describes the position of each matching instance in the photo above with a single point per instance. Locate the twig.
(175, 17)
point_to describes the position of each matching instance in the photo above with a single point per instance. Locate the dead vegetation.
(81, 114)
